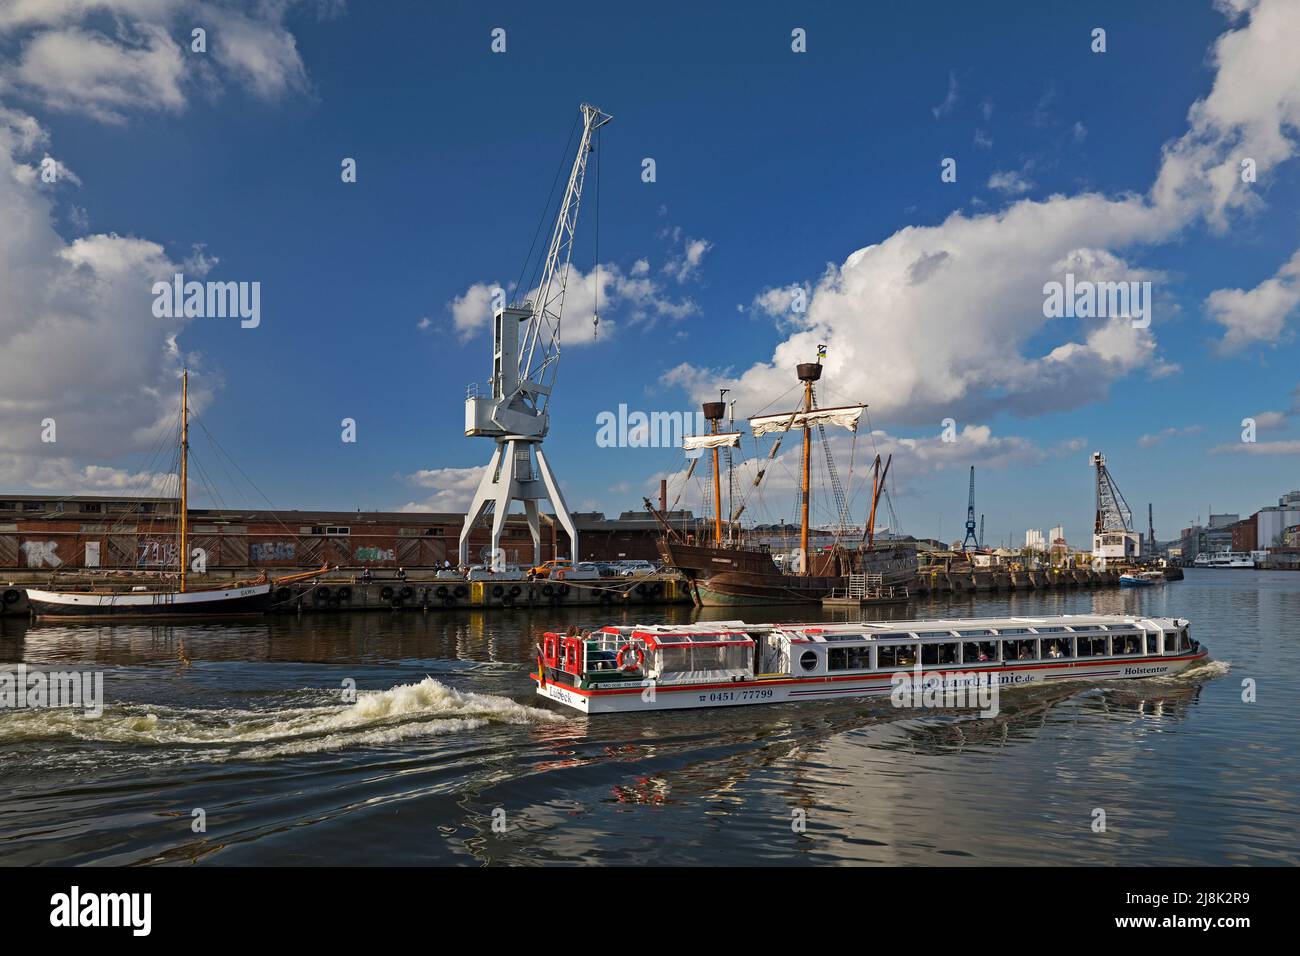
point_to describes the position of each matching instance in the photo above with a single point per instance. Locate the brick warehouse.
(88, 532)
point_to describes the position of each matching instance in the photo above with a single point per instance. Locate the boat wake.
(1207, 670)
(377, 718)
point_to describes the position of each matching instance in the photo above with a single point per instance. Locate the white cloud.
(1010, 182)
(949, 101)
(453, 488)
(686, 265)
(1155, 438)
(59, 58)
(471, 311)
(1259, 314)
(970, 338)
(1266, 421)
(634, 296)
(1291, 447)
(76, 319)
(81, 343)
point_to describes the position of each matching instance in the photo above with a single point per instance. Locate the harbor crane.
(525, 356)
(1112, 532)
(970, 543)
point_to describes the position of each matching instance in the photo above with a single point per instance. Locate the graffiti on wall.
(40, 554)
(375, 554)
(273, 551)
(157, 553)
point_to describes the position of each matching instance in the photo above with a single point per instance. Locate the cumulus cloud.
(970, 338)
(59, 58)
(452, 488)
(1259, 314)
(686, 264)
(81, 343)
(635, 296)
(1011, 182)
(78, 326)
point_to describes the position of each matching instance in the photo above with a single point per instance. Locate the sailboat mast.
(713, 412)
(185, 454)
(809, 372)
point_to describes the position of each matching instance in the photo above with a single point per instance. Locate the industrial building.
(90, 532)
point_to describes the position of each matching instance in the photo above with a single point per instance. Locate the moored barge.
(624, 668)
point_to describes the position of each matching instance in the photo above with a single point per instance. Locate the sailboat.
(232, 599)
(723, 572)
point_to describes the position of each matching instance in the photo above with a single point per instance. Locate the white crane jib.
(525, 356)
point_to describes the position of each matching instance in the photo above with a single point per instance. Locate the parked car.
(637, 569)
(563, 569)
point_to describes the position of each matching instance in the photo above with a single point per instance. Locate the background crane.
(525, 356)
(1112, 531)
(970, 543)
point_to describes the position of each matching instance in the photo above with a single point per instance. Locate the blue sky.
(775, 164)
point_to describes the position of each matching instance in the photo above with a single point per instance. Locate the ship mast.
(809, 372)
(713, 412)
(185, 452)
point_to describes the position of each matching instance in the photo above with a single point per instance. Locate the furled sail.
(846, 417)
(720, 440)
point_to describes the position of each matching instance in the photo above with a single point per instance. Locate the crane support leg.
(557, 502)
(508, 478)
(487, 492)
(534, 529)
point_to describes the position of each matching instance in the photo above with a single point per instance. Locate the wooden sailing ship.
(726, 572)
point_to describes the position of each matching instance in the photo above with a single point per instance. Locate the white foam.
(425, 709)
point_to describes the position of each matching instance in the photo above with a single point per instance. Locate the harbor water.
(240, 743)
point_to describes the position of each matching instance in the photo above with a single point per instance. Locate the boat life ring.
(630, 658)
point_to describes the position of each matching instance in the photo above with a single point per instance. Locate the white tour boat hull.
(789, 690)
(1157, 654)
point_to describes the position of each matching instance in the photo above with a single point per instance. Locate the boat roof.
(837, 630)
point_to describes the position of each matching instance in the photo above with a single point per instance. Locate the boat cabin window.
(849, 659)
(808, 660)
(1176, 641)
(896, 655)
(1023, 650)
(1091, 645)
(979, 652)
(977, 633)
(1055, 648)
(1128, 645)
(945, 653)
(1013, 630)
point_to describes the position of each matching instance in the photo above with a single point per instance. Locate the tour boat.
(624, 668)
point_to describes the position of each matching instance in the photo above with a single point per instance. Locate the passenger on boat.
(1053, 650)
(1024, 654)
